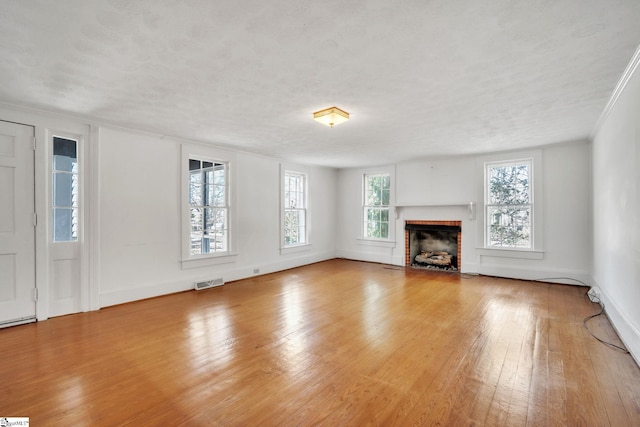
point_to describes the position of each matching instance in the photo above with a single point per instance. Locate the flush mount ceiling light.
(331, 116)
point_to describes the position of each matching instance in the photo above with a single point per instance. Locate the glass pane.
(373, 198)
(195, 188)
(215, 195)
(386, 182)
(64, 154)
(63, 224)
(291, 227)
(509, 184)
(385, 197)
(384, 230)
(215, 220)
(63, 189)
(509, 226)
(197, 219)
(219, 176)
(384, 215)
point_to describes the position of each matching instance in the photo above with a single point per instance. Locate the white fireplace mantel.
(471, 206)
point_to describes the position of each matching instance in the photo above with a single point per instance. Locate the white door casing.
(17, 224)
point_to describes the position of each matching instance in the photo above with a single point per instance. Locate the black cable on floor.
(584, 322)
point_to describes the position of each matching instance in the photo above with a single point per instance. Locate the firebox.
(433, 244)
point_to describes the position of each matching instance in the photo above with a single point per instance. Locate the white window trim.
(302, 247)
(212, 154)
(390, 241)
(537, 249)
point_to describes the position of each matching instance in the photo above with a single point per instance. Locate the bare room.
(335, 213)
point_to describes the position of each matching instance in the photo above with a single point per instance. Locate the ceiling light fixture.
(331, 116)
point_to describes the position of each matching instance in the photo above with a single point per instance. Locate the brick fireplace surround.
(407, 261)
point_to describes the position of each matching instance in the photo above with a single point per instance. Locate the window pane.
(64, 154)
(509, 226)
(384, 230)
(197, 220)
(216, 195)
(219, 175)
(509, 184)
(63, 227)
(385, 197)
(62, 189)
(195, 188)
(373, 198)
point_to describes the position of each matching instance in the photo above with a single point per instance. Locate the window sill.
(295, 249)
(511, 253)
(208, 261)
(376, 242)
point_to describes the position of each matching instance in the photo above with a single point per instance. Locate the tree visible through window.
(509, 204)
(208, 207)
(376, 206)
(295, 209)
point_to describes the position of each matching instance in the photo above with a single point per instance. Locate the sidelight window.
(65, 191)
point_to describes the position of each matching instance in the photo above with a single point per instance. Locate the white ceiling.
(419, 77)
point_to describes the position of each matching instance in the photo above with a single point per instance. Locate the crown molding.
(622, 83)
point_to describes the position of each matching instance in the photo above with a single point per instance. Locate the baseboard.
(567, 277)
(230, 274)
(628, 333)
(141, 292)
(367, 256)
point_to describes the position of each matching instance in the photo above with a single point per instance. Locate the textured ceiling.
(420, 78)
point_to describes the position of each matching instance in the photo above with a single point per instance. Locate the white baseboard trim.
(137, 293)
(628, 333)
(230, 274)
(367, 256)
(567, 277)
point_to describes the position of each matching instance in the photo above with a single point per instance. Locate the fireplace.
(435, 245)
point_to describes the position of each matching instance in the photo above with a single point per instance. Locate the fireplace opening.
(434, 245)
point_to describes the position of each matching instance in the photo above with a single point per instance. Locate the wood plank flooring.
(334, 343)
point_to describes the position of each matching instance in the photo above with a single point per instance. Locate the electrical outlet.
(256, 271)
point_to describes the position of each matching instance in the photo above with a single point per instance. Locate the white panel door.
(17, 232)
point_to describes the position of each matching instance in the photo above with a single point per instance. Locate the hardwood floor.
(334, 343)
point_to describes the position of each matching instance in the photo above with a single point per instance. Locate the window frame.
(213, 155)
(537, 249)
(78, 181)
(205, 205)
(284, 209)
(488, 206)
(381, 207)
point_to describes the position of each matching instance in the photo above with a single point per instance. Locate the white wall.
(130, 246)
(441, 189)
(140, 228)
(616, 207)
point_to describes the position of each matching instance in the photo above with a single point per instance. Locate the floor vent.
(209, 284)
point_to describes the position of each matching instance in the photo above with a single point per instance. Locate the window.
(208, 207)
(509, 204)
(295, 209)
(376, 206)
(64, 179)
